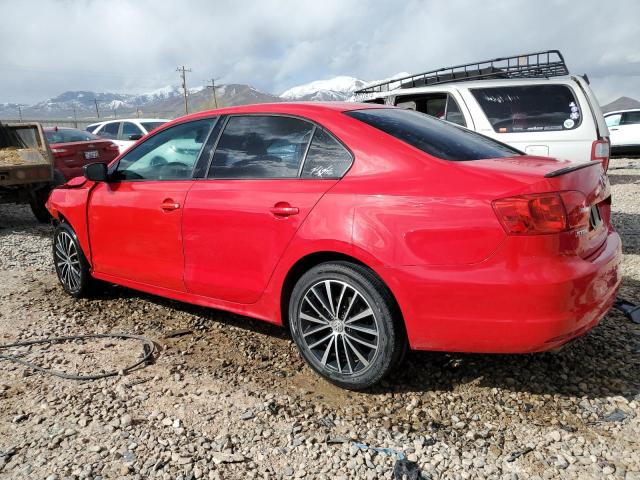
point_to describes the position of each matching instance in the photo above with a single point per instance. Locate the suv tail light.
(600, 151)
(542, 213)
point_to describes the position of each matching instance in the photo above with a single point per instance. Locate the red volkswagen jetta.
(363, 229)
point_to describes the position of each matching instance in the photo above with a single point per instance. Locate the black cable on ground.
(149, 350)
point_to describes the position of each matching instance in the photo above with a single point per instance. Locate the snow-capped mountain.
(333, 89)
(168, 101)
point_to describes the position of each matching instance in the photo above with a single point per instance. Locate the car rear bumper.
(508, 304)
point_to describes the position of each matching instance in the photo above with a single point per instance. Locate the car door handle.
(613, 129)
(168, 205)
(283, 209)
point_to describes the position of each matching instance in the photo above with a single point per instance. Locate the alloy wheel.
(339, 327)
(68, 261)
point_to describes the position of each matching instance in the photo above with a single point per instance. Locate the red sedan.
(363, 229)
(72, 149)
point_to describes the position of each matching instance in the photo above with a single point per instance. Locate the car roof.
(282, 108)
(486, 83)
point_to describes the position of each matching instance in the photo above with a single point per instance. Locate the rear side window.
(326, 158)
(435, 137)
(261, 146)
(533, 108)
(110, 130)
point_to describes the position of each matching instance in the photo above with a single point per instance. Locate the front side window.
(169, 155)
(261, 146)
(613, 120)
(630, 118)
(326, 157)
(128, 129)
(151, 126)
(530, 108)
(435, 137)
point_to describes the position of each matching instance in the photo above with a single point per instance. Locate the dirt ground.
(230, 398)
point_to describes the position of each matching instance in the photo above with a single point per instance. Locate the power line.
(183, 74)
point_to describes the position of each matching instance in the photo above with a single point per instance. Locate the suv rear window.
(435, 137)
(532, 108)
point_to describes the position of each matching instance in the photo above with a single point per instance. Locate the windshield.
(150, 126)
(69, 135)
(435, 137)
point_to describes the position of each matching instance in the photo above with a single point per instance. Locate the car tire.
(346, 324)
(70, 263)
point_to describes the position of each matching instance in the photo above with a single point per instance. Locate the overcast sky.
(134, 46)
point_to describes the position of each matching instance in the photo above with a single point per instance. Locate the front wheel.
(345, 324)
(71, 265)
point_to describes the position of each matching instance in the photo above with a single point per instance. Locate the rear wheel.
(343, 319)
(37, 201)
(71, 265)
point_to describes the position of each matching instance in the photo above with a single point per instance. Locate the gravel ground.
(231, 399)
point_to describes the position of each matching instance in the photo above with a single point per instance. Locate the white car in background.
(624, 126)
(528, 101)
(126, 131)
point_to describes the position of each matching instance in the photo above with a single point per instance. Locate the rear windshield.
(69, 135)
(533, 108)
(435, 137)
(150, 126)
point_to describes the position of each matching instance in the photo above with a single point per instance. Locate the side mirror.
(137, 136)
(96, 172)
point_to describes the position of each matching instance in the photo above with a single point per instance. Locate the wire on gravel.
(149, 351)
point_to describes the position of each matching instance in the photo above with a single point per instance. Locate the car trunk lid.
(541, 175)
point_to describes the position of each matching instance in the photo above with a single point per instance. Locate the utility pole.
(138, 112)
(75, 117)
(95, 100)
(20, 113)
(183, 73)
(213, 87)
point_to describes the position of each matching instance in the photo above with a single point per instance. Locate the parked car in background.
(529, 101)
(72, 149)
(125, 132)
(624, 126)
(326, 218)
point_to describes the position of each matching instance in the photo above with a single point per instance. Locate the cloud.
(50, 46)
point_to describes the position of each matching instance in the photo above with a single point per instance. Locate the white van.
(530, 102)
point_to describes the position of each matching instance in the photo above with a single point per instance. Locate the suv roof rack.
(544, 64)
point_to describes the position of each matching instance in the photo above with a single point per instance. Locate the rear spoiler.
(562, 171)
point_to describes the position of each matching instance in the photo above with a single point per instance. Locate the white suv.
(624, 126)
(125, 132)
(530, 102)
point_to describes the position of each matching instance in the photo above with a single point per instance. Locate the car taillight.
(542, 213)
(60, 152)
(600, 151)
